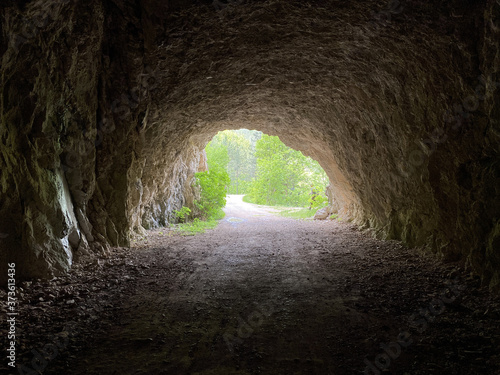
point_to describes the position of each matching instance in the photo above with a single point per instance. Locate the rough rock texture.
(321, 214)
(106, 105)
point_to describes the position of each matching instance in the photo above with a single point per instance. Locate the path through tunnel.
(106, 106)
(261, 294)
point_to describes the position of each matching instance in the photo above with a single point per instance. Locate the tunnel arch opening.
(266, 171)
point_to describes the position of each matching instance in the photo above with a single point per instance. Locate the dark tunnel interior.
(107, 106)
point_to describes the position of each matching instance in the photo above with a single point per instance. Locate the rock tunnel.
(107, 105)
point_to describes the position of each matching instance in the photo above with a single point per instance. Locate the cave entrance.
(259, 168)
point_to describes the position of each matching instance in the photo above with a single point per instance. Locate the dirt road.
(238, 211)
(262, 294)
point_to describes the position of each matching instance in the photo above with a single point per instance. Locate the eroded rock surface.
(106, 106)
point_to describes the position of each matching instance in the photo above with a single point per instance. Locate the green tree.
(217, 155)
(265, 169)
(286, 177)
(212, 184)
(241, 160)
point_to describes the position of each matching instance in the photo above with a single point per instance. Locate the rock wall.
(49, 77)
(106, 106)
(70, 174)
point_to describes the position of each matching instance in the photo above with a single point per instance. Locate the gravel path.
(262, 294)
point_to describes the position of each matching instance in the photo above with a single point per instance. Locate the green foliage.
(213, 185)
(261, 167)
(183, 214)
(286, 177)
(240, 163)
(317, 201)
(196, 226)
(303, 213)
(217, 155)
(247, 199)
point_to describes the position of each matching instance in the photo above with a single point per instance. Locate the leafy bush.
(213, 185)
(247, 198)
(303, 213)
(235, 151)
(196, 226)
(286, 177)
(266, 170)
(183, 214)
(317, 201)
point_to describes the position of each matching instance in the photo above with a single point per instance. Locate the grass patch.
(198, 226)
(247, 199)
(303, 213)
(195, 227)
(190, 228)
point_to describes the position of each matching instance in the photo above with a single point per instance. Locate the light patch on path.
(237, 211)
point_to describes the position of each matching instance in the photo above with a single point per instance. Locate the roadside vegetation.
(304, 213)
(260, 167)
(268, 172)
(213, 189)
(285, 177)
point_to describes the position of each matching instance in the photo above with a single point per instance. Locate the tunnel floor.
(262, 294)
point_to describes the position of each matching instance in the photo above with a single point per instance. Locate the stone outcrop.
(106, 106)
(321, 214)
